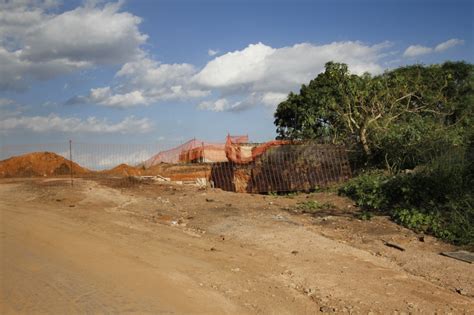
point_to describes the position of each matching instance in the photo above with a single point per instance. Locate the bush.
(437, 199)
(430, 222)
(366, 190)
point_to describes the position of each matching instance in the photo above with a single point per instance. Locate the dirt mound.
(124, 170)
(39, 164)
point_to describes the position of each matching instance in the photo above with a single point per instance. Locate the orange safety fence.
(194, 150)
(204, 153)
(242, 154)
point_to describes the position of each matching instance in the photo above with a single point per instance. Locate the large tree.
(341, 107)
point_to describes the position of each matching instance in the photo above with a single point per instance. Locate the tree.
(340, 107)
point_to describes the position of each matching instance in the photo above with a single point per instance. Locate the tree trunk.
(363, 141)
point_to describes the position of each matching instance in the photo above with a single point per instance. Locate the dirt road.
(167, 249)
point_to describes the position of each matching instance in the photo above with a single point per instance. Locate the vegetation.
(312, 206)
(410, 133)
(393, 120)
(438, 199)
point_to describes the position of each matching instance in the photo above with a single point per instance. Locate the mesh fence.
(284, 168)
(236, 165)
(92, 156)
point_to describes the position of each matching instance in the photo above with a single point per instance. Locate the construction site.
(234, 165)
(210, 228)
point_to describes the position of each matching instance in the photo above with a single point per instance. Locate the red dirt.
(51, 164)
(39, 164)
(124, 170)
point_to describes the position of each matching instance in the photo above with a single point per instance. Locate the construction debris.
(461, 255)
(393, 245)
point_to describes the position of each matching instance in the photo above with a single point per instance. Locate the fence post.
(206, 175)
(70, 160)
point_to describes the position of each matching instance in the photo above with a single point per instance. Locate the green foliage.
(366, 190)
(422, 222)
(365, 215)
(438, 198)
(312, 206)
(390, 118)
(412, 142)
(417, 118)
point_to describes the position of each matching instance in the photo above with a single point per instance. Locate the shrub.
(437, 199)
(366, 190)
(430, 222)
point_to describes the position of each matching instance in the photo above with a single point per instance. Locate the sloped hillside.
(39, 164)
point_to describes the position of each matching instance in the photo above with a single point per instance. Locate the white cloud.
(144, 81)
(39, 43)
(272, 98)
(55, 123)
(219, 105)
(104, 96)
(418, 50)
(212, 52)
(448, 44)
(4, 102)
(263, 75)
(94, 35)
(11, 108)
(160, 81)
(17, 17)
(36, 43)
(235, 68)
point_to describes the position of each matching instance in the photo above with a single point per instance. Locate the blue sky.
(166, 71)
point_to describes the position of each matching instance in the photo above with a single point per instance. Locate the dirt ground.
(173, 249)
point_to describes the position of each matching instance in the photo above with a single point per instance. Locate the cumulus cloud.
(272, 98)
(57, 123)
(219, 105)
(161, 81)
(104, 96)
(448, 44)
(11, 108)
(144, 81)
(418, 50)
(17, 17)
(36, 43)
(256, 75)
(4, 102)
(212, 52)
(263, 75)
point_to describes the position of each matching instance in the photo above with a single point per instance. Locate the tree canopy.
(393, 118)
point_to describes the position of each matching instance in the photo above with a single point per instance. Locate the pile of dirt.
(39, 164)
(124, 170)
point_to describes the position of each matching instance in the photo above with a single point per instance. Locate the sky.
(139, 72)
